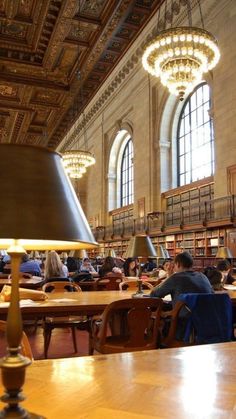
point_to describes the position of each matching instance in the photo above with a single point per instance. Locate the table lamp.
(224, 253)
(80, 254)
(161, 254)
(111, 253)
(38, 210)
(140, 246)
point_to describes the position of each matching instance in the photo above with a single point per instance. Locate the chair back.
(210, 319)
(110, 283)
(140, 318)
(25, 345)
(132, 285)
(60, 286)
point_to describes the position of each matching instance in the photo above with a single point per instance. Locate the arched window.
(195, 138)
(127, 175)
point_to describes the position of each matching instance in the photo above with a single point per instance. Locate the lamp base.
(138, 295)
(18, 413)
(13, 375)
(139, 292)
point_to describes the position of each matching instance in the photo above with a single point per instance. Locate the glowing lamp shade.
(224, 253)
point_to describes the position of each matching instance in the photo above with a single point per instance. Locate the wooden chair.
(139, 326)
(60, 286)
(109, 283)
(209, 320)
(132, 285)
(25, 345)
(73, 322)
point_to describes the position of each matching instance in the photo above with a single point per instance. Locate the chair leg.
(91, 346)
(73, 329)
(47, 338)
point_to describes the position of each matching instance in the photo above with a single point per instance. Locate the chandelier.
(76, 162)
(180, 56)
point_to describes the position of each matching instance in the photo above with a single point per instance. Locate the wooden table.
(32, 283)
(86, 303)
(196, 382)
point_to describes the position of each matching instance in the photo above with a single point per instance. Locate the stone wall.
(129, 97)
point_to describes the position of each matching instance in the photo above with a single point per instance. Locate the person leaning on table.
(184, 280)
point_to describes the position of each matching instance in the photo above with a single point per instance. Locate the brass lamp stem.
(13, 364)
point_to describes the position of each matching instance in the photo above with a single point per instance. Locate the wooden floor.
(61, 345)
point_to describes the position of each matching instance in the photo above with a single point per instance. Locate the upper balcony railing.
(204, 213)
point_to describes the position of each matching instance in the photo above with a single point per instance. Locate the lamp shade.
(39, 208)
(140, 246)
(224, 253)
(80, 254)
(111, 252)
(161, 254)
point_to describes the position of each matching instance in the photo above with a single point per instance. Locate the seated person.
(130, 267)
(30, 266)
(86, 266)
(166, 269)
(73, 264)
(54, 268)
(184, 280)
(224, 267)
(109, 266)
(149, 265)
(215, 278)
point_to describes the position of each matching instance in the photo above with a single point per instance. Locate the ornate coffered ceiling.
(43, 46)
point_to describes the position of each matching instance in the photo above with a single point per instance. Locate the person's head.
(86, 261)
(53, 265)
(215, 277)
(223, 265)
(166, 264)
(183, 262)
(25, 258)
(109, 262)
(130, 265)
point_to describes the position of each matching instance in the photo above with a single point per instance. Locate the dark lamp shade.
(140, 246)
(39, 208)
(160, 252)
(224, 253)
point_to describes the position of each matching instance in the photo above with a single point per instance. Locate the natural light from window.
(195, 138)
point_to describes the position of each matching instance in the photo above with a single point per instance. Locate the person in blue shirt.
(30, 266)
(184, 280)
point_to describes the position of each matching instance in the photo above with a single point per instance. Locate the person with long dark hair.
(109, 266)
(130, 267)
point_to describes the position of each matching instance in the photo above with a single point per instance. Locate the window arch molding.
(120, 138)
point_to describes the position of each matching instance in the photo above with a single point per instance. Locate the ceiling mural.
(49, 49)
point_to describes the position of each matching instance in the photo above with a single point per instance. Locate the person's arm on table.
(163, 289)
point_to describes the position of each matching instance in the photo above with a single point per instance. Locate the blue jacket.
(211, 317)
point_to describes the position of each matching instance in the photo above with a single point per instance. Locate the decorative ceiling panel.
(44, 45)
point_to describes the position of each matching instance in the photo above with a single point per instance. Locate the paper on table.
(23, 303)
(27, 302)
(62, 300)
(230, 287)
(4, 304)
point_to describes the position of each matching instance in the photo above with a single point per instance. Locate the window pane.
(127, 175)
(196, 142)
